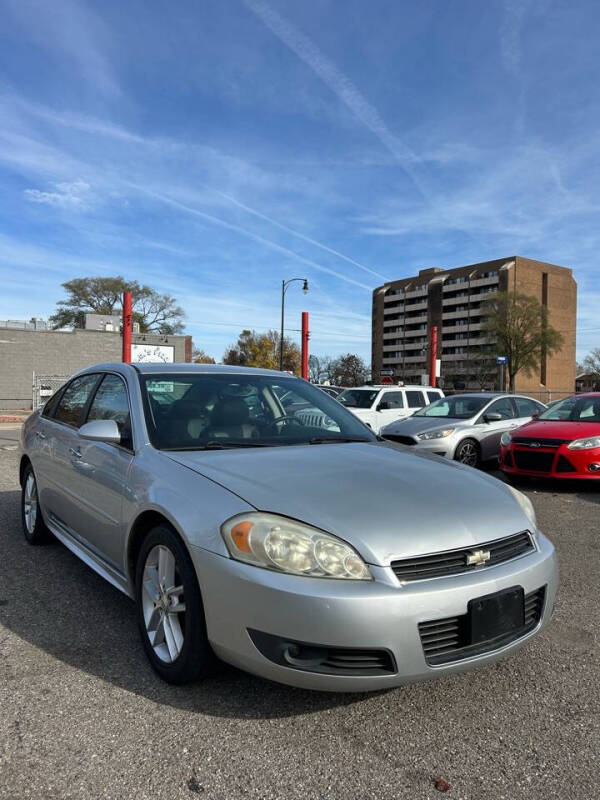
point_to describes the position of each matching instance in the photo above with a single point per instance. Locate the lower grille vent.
(447, 640)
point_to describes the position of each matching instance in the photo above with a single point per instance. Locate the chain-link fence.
(44, 387)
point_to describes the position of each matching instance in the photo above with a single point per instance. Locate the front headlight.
(584, 444)
(526, 506)
(278, 543)
(441, 434)
(505, 439)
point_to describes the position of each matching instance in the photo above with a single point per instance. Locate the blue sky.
(211, 149)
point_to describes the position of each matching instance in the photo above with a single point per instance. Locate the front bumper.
(444, 447)
(559, 462)
(373, 615)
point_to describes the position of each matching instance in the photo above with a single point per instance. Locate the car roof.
(187, 369)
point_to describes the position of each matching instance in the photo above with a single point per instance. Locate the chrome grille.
(454, 562)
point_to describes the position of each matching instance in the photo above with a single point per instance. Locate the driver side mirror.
(493, 416)
(535, 415)
(384, 406)
(101, 430)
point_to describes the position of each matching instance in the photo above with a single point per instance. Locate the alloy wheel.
(163, 604)
(468, 454)
(30, 503)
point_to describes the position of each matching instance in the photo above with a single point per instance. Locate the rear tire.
(170, 609)
(468, 453)
(34, 527)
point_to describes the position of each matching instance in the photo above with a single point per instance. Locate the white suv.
(377, 406)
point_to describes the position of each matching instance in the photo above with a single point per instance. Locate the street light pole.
(284, 286)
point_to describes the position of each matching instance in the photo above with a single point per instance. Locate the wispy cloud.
(347, 92)
(73, 196)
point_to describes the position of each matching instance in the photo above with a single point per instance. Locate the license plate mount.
(497, 614)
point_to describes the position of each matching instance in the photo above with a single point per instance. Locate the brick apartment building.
(404, 312)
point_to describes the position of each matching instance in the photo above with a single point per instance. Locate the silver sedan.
(465, 427)
(321, 558)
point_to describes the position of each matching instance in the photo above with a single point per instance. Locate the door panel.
(491, 432)
(397, 408)
(61, 439)
(99, 474)
(99, 479)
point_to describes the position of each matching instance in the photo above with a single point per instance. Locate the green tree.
(349, 370)
(519, 325)
(262, 350)
(155, 312)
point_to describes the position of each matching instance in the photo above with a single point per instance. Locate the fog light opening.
(595, 467)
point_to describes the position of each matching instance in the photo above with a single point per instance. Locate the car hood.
(414, 425)
(551, 429)
(384, 500)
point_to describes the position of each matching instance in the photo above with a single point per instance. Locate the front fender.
(194, 505)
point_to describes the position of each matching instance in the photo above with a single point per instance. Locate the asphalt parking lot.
(83, 716)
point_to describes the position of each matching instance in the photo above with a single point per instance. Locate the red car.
(563, 442)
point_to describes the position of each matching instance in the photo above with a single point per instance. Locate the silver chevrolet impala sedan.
(316, 556)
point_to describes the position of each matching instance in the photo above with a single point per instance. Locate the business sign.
(501, 359)
(152, 353)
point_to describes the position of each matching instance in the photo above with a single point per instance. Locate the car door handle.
(75, 453)
(40, 435)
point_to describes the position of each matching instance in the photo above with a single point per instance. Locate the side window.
(415, 399)
(73, 401)
(503, 407)
(50, 405)
(525, 407)
(110, 402)
(433, 396)
(393, 399)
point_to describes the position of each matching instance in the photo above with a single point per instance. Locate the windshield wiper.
(218, 446)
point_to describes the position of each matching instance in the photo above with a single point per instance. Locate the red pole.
(433, 356)
(305, 337)
(127, 327)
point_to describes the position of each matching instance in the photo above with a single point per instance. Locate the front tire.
(468, 453)
(34, 527)
(170, 610)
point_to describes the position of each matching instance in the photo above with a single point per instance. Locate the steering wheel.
(284, 418)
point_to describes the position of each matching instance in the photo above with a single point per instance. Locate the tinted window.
(110, 402)
(526, 407)
(503, 407)
(74, 399)
(415, 399)
(358, 398)
(393, 399)
(433, 396)
(52, 403)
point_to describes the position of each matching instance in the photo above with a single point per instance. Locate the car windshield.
(574, 409)
(186, 411)
(457, 407)
(357, 398)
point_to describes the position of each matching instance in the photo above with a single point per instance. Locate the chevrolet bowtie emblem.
(477, 558)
